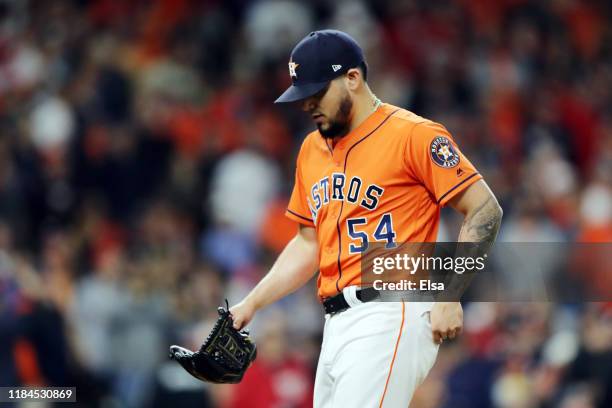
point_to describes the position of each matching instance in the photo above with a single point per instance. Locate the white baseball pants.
(374, 354)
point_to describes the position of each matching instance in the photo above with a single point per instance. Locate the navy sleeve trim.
(299, 216)
(457, 186)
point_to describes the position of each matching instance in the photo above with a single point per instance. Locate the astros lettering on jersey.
(385, 182)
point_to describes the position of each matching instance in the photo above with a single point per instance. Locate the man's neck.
(363, 107)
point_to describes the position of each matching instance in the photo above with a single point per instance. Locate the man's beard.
(339, 125)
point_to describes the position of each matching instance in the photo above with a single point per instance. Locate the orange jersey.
(383, 182)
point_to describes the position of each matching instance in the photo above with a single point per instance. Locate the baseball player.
(371, 172)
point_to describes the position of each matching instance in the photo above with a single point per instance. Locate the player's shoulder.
(404, 116)
(412, 125)
(311, 141)
(410, 120)
(312, 144)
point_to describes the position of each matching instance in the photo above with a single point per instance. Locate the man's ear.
(354, 79)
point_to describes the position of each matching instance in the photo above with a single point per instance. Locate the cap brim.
(299, 92)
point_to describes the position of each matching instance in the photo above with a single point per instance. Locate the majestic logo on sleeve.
(443, 153)
(292, 67)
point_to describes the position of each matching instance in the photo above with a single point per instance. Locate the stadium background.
(144, 172)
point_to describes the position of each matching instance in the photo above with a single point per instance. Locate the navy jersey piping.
(456, 187)
(300, 216)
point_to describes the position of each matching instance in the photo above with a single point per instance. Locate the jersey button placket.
(339, 163)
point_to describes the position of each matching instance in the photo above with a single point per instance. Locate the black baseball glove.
(225, 355)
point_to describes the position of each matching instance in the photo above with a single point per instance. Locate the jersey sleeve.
(299, 208)
(436, 161)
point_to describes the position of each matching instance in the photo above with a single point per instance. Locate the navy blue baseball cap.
(317, 59)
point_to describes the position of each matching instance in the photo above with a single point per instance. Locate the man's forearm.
(294, 267)
(481, 226)
(476, 237)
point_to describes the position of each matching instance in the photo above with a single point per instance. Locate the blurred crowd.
(144, 173)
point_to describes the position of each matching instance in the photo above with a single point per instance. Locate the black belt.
(339, 304)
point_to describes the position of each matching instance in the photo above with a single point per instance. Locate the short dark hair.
(363, 66)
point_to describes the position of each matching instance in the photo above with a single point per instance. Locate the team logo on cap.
(292, 67)
(443, 153)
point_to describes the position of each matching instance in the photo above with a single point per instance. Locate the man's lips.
(317, 117)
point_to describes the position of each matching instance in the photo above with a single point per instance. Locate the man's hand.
(242, 314)
(446, 320)
(293, 268)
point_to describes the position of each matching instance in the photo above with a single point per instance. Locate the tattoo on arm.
(481, 225)
(479, 228)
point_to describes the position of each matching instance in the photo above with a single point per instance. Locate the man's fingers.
(441, 335)
(236, 321)
(456, 332)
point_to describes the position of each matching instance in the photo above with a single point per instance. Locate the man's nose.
(308, 104)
